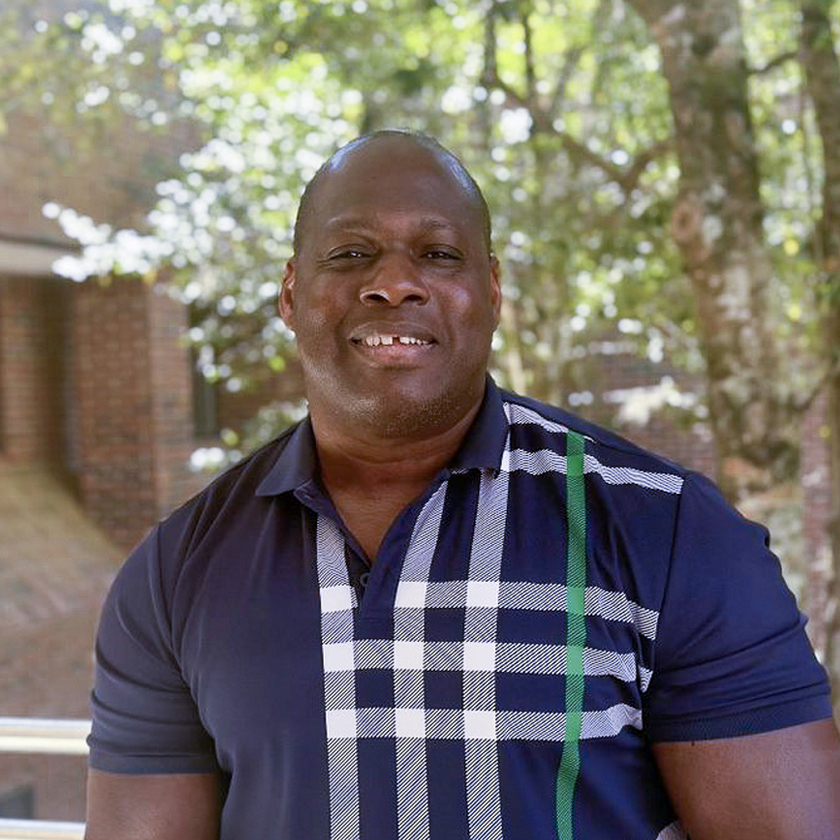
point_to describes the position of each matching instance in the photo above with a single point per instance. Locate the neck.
(349, 458)
(372, 479)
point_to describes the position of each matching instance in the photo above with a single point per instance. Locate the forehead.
(394, 178)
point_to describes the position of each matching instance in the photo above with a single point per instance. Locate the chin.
(412, 416)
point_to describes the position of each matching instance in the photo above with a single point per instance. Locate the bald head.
(385, 138)
(392, 240)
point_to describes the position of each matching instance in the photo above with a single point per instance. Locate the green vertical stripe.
(568, 773)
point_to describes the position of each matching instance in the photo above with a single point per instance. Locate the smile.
(378, 339)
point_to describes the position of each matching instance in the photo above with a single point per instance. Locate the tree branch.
(771, 65)
(643, 159)
(802, 404)
(580, 153)
(572, 60)
(626, 177)
(490, 79)
(490, 73)
(530, 72)
(573, 57)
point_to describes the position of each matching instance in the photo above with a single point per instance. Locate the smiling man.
(434, 610)
(393, 295)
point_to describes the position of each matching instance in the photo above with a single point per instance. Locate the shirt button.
(363, 579)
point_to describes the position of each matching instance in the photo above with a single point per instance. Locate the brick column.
(134, 423)
(172, 404)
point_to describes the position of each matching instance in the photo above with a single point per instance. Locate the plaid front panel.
(458, 630)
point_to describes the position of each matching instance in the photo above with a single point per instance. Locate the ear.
(495, 287)
(286, 298)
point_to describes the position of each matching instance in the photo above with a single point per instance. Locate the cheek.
(316, 309)
(315, 332)
(474, 310)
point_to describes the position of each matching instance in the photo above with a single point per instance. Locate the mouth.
(393, 346)
(389, 339)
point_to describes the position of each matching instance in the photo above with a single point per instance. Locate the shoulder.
(535, 424)
(229, 497)
(219, 523)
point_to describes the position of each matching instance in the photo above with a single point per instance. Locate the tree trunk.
(717, 224)
(832, 647)
(822, 75)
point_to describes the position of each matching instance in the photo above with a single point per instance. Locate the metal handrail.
(42, 735)
(40, 830)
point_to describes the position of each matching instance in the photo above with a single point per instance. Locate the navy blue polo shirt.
(555, 601)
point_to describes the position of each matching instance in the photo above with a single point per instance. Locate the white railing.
(38, 735)
(41, 830)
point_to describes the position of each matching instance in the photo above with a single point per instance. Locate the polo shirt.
(554, 602)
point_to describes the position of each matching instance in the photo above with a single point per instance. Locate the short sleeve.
(731, 655)
(144, 717)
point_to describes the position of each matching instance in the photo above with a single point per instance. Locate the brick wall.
(93, 383)
(31, 369)
(133, 427)
(170, 373)
(109, 174)
(119, 432)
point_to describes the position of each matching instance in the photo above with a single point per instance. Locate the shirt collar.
(485, 441)
(482, 448)
(296, 465)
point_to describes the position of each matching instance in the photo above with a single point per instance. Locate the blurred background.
(664, 179)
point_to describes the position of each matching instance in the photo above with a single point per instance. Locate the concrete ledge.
(30, 259)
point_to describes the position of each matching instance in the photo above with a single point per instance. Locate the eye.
(348, 254)
(441, 254)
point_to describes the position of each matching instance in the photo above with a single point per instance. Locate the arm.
(153, 774)
(781, 785)
(155, 807)
(738, 709)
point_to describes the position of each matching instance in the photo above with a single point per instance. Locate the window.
(18, 803)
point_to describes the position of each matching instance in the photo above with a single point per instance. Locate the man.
(436, 610)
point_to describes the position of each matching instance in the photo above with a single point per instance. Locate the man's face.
(392, 294)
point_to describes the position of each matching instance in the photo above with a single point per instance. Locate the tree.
(645, 162)
(717, 222)
(822, 75)
(576, 186)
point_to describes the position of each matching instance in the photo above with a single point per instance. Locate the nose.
(395, 282)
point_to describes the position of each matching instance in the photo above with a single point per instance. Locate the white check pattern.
(674, 831)
(408, 662)
(480, 724)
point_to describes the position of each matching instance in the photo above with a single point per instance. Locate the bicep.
(781, 785)
(153, 807)
(145, 717)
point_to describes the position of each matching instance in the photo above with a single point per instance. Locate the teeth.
(388, 340)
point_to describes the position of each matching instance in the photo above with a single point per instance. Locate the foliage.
(559, 109)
